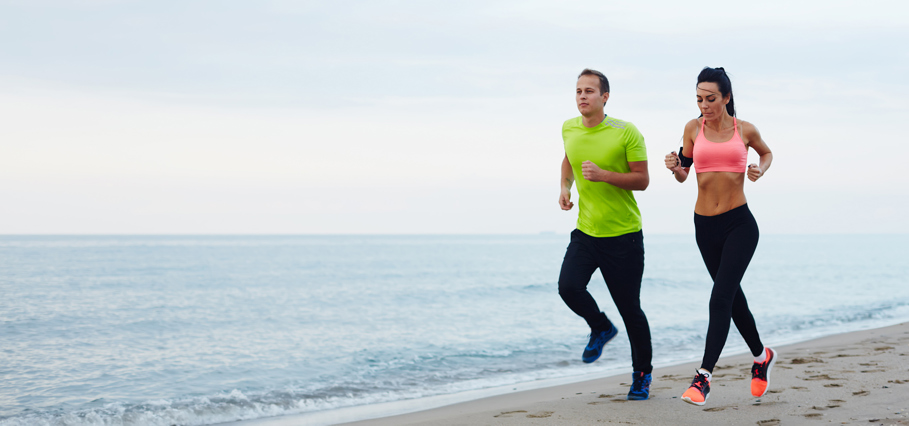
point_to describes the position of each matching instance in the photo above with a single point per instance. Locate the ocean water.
(196, 330)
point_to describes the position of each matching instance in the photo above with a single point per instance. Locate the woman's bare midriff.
(719, 192)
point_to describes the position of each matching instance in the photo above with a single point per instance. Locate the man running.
(607, 158)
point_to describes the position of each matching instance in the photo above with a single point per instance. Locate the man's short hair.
(604, 83)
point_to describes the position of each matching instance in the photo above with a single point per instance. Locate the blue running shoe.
(640, 386)
(598, 339)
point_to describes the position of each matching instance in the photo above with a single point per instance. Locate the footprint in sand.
(806, 360)
(821, 377)
(832, 385)
(603, 395)
(711, 409)
(540, 415)
(899, 382)
(813, 415)
(769, 422)
(860, 393)
(884, 348)
(508, 413)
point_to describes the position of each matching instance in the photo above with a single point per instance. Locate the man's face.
(588, 97)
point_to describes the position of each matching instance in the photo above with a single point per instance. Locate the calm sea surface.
(155, 330)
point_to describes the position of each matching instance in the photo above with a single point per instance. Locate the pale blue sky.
(428, 117)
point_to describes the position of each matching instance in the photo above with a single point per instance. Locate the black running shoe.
(640, 386)
(598, 339)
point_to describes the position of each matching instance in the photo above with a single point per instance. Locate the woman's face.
(711, 102)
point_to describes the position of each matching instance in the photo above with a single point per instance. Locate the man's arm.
(637, 179)
(567, 180)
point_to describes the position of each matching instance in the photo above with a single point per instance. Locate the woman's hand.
(673, 162)
(754, 172)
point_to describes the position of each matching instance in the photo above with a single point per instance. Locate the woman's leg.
(727, 243)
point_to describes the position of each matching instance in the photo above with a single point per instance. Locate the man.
(607, 158)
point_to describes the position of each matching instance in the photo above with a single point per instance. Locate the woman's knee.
(720, 303)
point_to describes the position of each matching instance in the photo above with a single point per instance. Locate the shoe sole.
(769, 368)
(636, 398)
(688, 400)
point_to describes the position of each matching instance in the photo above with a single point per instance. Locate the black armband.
(685, 161)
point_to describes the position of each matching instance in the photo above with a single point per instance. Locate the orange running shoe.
(760, 374)
(699, 391)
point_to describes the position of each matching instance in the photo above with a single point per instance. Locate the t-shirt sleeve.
(635, 150)
(565, 127)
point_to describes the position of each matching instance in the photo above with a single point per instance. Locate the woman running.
(726, 232)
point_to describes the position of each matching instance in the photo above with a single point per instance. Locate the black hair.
(604, 83)
(718, 75)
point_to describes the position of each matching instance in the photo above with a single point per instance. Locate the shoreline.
(846, 378)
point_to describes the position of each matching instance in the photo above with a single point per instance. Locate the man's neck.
(593, 120)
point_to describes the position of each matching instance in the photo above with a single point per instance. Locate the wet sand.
(853, 378)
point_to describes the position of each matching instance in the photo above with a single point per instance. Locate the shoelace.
(759, 371)
(596, 340)
(638, 384)
(699, 382)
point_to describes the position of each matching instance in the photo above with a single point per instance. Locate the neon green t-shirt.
(604, 210)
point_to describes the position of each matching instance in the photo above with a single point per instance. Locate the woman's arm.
(672, 160)
(754, 140)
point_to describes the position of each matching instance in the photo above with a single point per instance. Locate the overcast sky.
(288, 117)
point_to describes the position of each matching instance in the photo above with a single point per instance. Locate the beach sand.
(853, 378)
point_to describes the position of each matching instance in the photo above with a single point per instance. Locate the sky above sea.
(413, 117)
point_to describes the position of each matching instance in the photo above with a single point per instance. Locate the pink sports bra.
(729, 156)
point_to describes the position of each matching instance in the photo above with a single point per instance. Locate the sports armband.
(685, 161)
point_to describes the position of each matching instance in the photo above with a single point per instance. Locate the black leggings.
(621, 261)
(727, 242)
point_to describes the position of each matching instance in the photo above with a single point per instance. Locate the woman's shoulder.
(693, 124)
(692, 127)
(748, 130)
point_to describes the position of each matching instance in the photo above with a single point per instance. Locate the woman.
(717, 145)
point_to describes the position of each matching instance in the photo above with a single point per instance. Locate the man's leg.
(577, 267)
(622, 266)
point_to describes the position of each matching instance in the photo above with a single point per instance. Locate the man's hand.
(592, 172)
(565, 200)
